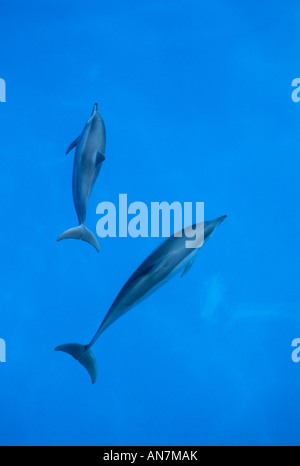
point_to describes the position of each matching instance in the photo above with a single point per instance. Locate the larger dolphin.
(165, 262)
(89, 155)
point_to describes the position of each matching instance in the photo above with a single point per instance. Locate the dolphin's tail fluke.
(80, 232)
(84, 355)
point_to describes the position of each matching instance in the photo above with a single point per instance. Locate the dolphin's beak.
(95, 109)
(221, 219)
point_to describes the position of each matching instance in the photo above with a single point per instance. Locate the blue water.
(196, 98)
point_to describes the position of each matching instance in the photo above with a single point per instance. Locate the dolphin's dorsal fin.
(74, 144)
(99, 158)
(188, 266)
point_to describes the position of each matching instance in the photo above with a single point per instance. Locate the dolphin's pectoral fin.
(99, 158)
(188, 266)
(74, 144)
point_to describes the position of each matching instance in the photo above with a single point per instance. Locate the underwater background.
(196, 99)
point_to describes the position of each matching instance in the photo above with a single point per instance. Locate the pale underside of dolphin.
(89, 155)
(165, 262)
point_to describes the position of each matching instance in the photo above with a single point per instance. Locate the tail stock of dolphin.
(81, 232)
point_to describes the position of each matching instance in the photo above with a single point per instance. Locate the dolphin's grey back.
(157, 269)
(164, 262)
(86, 170)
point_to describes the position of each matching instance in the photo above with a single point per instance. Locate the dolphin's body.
(89, 155)
(165, 262)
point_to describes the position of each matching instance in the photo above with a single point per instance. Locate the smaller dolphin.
(89, 155)
(165, 262)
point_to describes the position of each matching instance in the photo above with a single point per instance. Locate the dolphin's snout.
(95, 109)
(221, 219)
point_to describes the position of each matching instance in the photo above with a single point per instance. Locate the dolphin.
(89, 155)
(165, 262)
